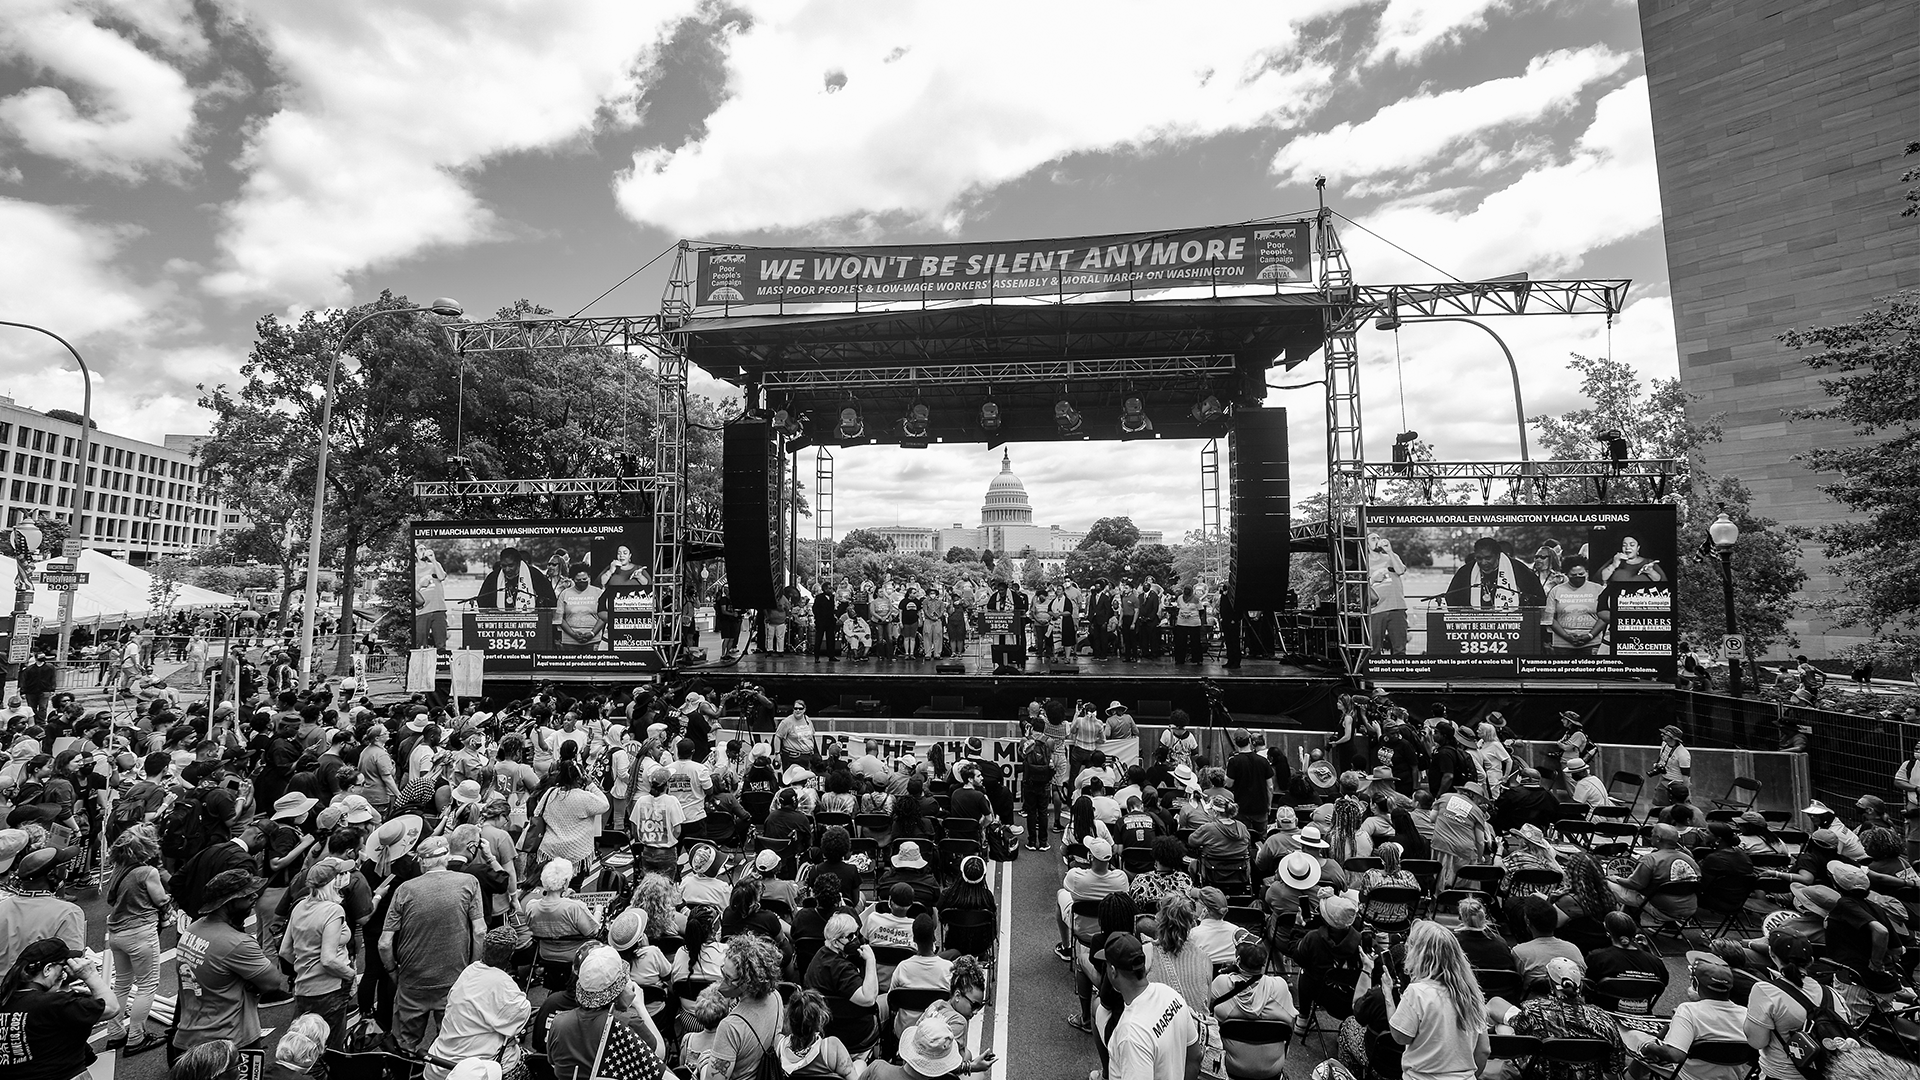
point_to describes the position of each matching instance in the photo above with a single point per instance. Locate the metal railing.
(1849, 754)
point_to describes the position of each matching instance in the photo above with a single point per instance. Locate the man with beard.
(513, 586)
(1576, 621)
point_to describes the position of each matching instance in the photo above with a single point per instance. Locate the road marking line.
(1003, 952)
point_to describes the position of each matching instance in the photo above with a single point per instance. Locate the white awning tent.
(115, 593)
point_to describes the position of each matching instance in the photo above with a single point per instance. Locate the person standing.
(432, 932)
(136, 901)
(429, 601)
(910, 610)
(934, 615)
(1441, 1019)
(31, 910)
(47, 1025)
(222, 969)
(1189, 627)
(1250, 777)
(485, 1008)
(824, 623)
(1674, 764)
(1036, 781)
(1387, 596)
(794, 739)
(315, 946)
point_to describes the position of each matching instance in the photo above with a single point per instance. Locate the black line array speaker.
(1260, 503)
(754, 533)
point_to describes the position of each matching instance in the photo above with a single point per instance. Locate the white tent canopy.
(115, 593)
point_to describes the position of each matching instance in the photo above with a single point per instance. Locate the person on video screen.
(623, 574)
(1387, 595)
(1628, 564)
(430, 600)
(512, 585)
(1575, 617)
(582, 622)
(1492, 580)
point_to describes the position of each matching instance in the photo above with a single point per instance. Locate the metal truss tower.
(822, 517)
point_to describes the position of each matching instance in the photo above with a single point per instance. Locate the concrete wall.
(1779, 129)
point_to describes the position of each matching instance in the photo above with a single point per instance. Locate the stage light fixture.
(1133, 418)
(1066, 417)
(852, 426)
(915, 425)
(990, 417)
(1403, 446)
(1616, 446)
(1208, 410)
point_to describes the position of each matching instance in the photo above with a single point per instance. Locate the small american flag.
(628, 1057)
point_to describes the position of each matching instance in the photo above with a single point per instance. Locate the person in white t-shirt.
(689, 781)
(1709, 1016)
(1674, 763)
(655, 822)
(1157, 1036)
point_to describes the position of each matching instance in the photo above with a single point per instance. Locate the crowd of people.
(1214, 911)
(602, 885)
(630, 883)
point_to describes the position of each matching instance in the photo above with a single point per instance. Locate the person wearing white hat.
(1819, 816)
(1587, 788)
(581, 1039)
(1081, 883)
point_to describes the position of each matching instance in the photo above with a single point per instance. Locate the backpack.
(1807, 1046)
(133, 808)
(1039, 756)
(1003, 843)
(183, 830)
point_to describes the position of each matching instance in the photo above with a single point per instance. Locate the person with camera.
(48, 1023)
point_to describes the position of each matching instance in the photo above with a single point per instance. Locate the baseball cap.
(322, 873)
(1712, 973)
(432, 847)
(1788, 946)
(1100, 848)
(1125, 953)
(47, 951)
(767, 861)
(1562, 971)
(1847, 877)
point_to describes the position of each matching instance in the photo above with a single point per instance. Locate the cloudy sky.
(171, 170)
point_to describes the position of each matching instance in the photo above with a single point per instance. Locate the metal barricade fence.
(1849, 754)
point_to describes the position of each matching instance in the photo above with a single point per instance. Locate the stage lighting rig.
(1615, 445)
(1067, 418)
(852, 426)
(914, 426)
(990, 417)
(1134, 422)
(1208, 410)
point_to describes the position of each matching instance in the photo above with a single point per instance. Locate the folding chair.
(1741, 794)
(1427, 873)
(876, 826)
(1512, 1047)
(970, 931)
(827, 819)
(1722, 1052)
(1406, 896)
(1360, 864)
(1501, 983)
(907, 1005)
(1673, 928)
(960, 828)
(1727, 897)
(1136, 860)
(1625, 788)
(1256, 1049)
(1575, 1051)
(1632, 994)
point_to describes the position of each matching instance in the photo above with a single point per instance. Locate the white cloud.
(68, 285)
(122, 111)
(1416, 132)
(982, 94)
(1605, 190)
(1410, 28)
(385, 104)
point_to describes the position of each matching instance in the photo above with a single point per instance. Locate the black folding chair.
(1255, 1048)
(1741, 794)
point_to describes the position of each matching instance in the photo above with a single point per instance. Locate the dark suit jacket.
(1532, 593)
(542, 590)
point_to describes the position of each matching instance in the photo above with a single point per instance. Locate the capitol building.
(1006, 526)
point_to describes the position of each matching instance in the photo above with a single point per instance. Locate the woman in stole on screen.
(1628, 564)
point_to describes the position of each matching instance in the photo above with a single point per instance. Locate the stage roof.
(1025, 355)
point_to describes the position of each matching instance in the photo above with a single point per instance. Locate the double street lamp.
(1724, 534)
(310, 608)
(78, 533)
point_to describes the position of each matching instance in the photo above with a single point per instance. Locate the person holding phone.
(48, 1022)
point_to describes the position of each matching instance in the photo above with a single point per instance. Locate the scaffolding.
(822, 517)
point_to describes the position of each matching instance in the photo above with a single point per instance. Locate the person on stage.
(1387, 616)
(911, 610)
(1068, 620)
(1575, 617)
(1629, 565)
(826, 624)
(886, 621)
(1100, 616)
(857, 631)
(1147, 620)
(512, 585)
(1007, 648)
(959, 606)
(1492, 580)
(1126, 607)
(933, 619)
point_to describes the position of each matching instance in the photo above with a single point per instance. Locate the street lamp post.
(79, 532)
(310, 608)
(1725, 534)
(1393, 322)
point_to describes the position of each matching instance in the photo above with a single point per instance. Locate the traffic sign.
(56, 577)
(62, 586)
(1733, 646)
(70, 549)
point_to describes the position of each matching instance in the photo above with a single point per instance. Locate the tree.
(163, 584)
(1875, 392)
(1090, 562)
(1119, 533)
(1198, 553)
(1033, 573)
(1145, 561)
(962, 555)
(864, 539)
(1766, 569)
(1652, 417)
(72, 417)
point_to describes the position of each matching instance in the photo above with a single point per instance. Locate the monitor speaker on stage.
(1261, 509)
(750, 466)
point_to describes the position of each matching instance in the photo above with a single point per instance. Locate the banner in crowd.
(1003, 752)
(1585, 592)
(1268, 253)
(537, 596)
